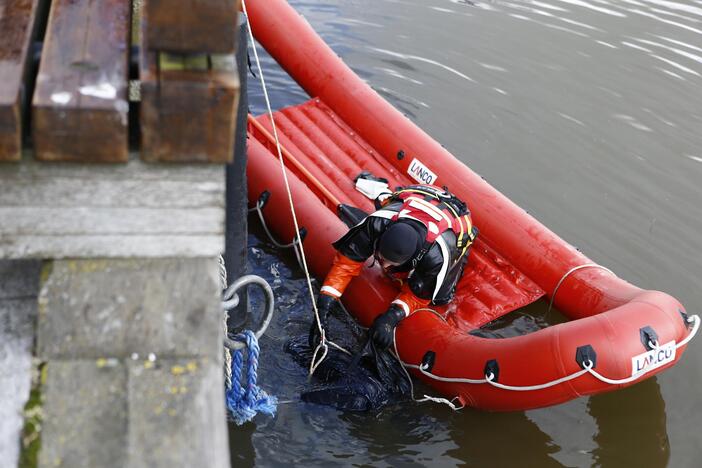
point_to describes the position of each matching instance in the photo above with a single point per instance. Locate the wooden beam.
(188, 116)
(189, 26)
(16, 27)
(80, 103)
(188, 105)
(57, 210)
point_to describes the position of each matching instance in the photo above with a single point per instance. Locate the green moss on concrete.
(30, 442)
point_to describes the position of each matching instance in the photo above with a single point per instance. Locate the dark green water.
(587, 113)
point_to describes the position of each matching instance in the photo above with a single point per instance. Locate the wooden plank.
(95, 193)
(57, 210)
(188, 105)
(191, 26)
(16, 27)
(188, 116)
(87, 246)
(136, 170)
(29, 220)
(80, 103)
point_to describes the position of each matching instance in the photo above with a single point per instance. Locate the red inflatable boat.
(618, 334)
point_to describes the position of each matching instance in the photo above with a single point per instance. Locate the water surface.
(587, 113)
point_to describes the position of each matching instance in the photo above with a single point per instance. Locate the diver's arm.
(342, 272)
(353, 249)
(383, 329)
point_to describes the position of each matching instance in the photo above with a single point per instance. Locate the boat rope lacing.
(244, 402)
(489, 377)
(570, 272)
(323, 348)
(296, 242)
(324, 343)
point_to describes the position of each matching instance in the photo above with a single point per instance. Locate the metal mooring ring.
(231, 300)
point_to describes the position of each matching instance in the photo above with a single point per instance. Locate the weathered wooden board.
(188, 106)
(187, 115)
(192, 25)
(31, 220)
(111, 246)
(80, 102)
(59, 210)
(97, 193)
(16, 26)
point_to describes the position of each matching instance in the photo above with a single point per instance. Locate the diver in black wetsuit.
(421, 236)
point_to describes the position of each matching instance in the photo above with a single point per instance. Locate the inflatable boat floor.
(334, 155)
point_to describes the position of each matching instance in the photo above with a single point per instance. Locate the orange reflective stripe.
(340, 275)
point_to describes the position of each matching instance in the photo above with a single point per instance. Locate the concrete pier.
(111, 327)
(125, 313)
(19, 284)
(133, 364)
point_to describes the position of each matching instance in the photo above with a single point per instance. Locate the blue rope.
(243, 404)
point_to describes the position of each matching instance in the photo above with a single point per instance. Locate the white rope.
(571, 271)
(490, 378)
(527, 388)
(695, 327)
(268, 232)
(225, 325)
(404, 366)
(323, 341)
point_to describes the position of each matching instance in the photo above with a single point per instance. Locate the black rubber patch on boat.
(584, 355)
(492, 367)
(648, 336)
(303, 233)
(263, 199)
(428, 360)
(350, 215)
(685, 318)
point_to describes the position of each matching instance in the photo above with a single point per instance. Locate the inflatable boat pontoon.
(618, 334)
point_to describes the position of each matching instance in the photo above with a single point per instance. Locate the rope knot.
(244, 404)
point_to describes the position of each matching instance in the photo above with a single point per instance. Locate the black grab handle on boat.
(648, 336)
(428, 360)
(586, 355)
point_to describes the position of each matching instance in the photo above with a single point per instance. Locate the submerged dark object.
(365, 382)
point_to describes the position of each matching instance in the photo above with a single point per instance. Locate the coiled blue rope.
(244, 403)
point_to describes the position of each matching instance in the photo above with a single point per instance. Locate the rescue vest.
(438, 210)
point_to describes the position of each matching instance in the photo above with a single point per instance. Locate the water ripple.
(673, 23)
(583, 4)
(677, 6)
(423, 59)
(680, 43)
(682, 53)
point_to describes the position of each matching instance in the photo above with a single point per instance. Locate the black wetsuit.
(360, 242)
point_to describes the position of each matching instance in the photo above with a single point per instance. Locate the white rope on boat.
(588, 368)
(323, 343)
(268, 232)
(405, 365)
(695, 320)
(489, 378)
(570, 272)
